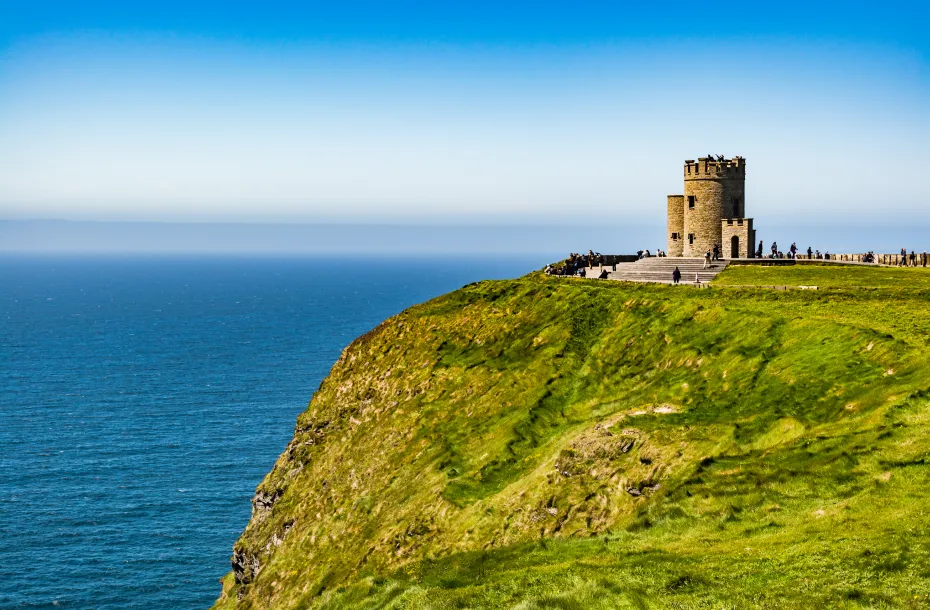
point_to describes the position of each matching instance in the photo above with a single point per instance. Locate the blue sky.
(476, 112)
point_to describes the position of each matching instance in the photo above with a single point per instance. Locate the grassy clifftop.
(557, 443)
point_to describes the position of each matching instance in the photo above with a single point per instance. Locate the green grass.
(559, 443)
(827, 276)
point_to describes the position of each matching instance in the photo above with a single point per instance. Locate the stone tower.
(676, 225)
(712, 210)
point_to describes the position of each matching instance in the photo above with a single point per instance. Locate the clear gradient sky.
(476, 112)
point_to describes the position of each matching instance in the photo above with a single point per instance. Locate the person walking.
(707, 260)
(716, 252)
(759, 251)
(774, 249)
(913, 259)
(676, 276)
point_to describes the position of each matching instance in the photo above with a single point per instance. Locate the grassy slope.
(827, 276)
(480, 450)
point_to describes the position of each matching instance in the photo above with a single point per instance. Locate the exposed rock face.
(245, 566)
(263, 501)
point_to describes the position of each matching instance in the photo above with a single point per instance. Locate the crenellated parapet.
(711, 168)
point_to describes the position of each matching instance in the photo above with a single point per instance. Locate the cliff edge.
(557, 443)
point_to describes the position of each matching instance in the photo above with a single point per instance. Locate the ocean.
(143, 398)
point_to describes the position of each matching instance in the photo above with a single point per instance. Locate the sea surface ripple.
(142, 399)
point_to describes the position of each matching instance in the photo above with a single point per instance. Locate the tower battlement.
(711, 168)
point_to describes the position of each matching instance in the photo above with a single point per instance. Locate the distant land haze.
(579, 233)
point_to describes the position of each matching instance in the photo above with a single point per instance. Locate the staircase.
(659, 270)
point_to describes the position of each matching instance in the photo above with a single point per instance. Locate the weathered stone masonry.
(676, 224)
(711, 211)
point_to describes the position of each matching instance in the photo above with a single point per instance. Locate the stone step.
(717, 268)
(710, 272)
(659, 270)
(658, 278)
(717, 265)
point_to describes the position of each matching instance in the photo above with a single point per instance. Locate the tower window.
(690, 239)
(691, 201)
(674, 235)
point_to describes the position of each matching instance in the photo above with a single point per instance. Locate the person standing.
(707, 259)
(759, 251)
(716, 252)
(676, 276)
(810, 253)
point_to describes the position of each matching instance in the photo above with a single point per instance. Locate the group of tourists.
(904, 259)
(576, 264)
(711, 255)
(794, 252)
(913, 259)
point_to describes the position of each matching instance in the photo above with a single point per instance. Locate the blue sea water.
(142, 399)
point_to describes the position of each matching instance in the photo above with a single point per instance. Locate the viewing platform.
(659, 270)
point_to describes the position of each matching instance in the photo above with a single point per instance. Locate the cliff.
(557, 443)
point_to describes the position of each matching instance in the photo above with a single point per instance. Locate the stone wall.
(702, 222)
(740, 229)
(893, 260)
(734, 203)
(881, 259)
(676, 225)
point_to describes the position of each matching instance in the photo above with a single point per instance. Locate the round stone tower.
(715, 189)
(676, 225)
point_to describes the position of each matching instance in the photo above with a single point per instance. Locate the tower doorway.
(734, 246)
